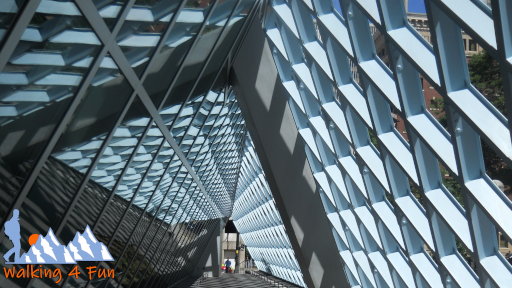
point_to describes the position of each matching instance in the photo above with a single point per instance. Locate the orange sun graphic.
(33, 239)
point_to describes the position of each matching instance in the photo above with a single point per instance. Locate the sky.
(416, 6)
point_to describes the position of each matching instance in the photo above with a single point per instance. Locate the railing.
(200, 280)
(271, 280)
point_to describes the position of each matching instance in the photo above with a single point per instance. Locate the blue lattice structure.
(395, 222)
(122, 115)
(259, 223)
(119, 115)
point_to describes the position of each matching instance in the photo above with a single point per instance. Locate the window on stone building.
(503, 241)
(472, 45)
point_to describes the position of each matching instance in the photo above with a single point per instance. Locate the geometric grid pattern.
(236, 281)
(203, 143)
(257, 220)
(119, 115)
(395, 223)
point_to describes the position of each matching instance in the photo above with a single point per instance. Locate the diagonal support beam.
(262, 100)
(91, 13)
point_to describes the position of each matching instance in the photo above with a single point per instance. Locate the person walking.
(12, 230)
(228, 265)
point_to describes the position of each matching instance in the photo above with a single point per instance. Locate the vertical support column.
(241, 257)
(237, 255)
(281, 151)
(221, 245)
(212, 257)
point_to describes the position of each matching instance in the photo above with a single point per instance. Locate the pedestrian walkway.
(236, 281)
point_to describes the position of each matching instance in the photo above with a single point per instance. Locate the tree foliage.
(486, 77)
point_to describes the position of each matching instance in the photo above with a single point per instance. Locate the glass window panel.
(145, 192)
(226, 43)
(123, 262)
(110, 10)
(8, 10)
(36, 86)
(174, 51)
(138, 258)
(59, 180)
(112, 164)
(199, 52)
(156, 205)
(145, 24)
(168, 237)
(141, 266)
(99, 188)
(183, 121)
(74, 152)
(131, 182)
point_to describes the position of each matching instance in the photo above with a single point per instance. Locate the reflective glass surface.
(258, 221)
(400, 133)
(134, 139)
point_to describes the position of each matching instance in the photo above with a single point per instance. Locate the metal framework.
(118, 115)
(258, 221)
(395, 222)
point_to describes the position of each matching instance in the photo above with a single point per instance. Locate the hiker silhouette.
(12, 230)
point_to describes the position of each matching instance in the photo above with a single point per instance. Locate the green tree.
(486, 77)
(452, 185)
(438, 105)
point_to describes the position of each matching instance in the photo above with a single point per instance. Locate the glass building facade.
(118, 115)
(397, 219)
(127, 116)
(258, 221)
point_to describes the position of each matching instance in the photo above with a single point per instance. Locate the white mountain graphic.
(85, 247)
(48, 250)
